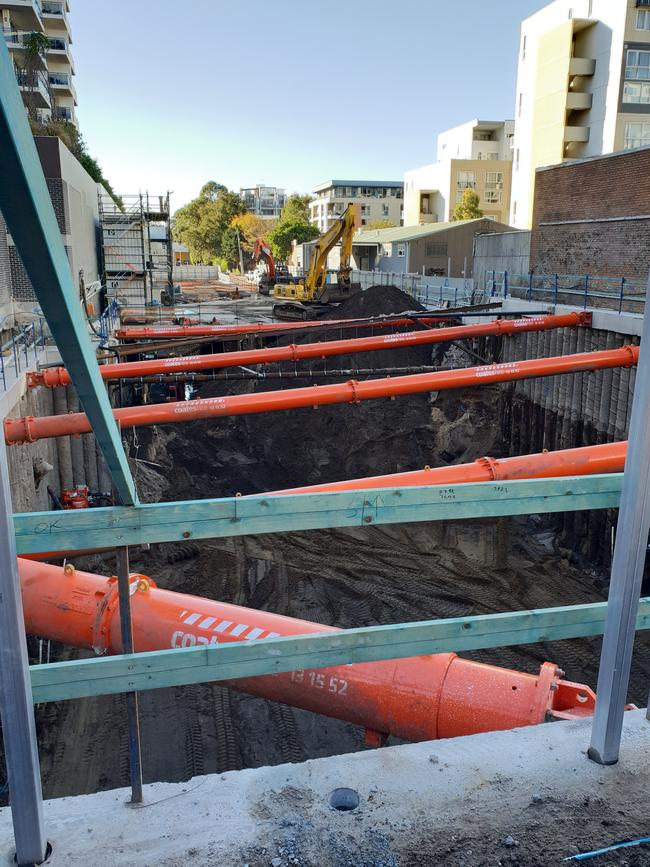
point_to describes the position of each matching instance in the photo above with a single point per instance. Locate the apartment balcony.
(25, 14)
(59, 49)
(576, 134)
(61, 85)
(17, 44)
(582, 66)
(65, 113)
(579, 101)
(34, 88)
(55, 16)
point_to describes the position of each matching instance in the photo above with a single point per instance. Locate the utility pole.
(241, 258)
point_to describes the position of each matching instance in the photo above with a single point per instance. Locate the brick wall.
(593, 217)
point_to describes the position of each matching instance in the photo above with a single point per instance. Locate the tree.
(252, 227)
(202, 223)
(230, 248)
(468, 207)
(296, 209)
(286, 232)
(34, 45)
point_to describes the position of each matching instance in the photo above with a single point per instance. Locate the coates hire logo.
(197, 405)
(532, 320)
(496, 369)
(395, 338)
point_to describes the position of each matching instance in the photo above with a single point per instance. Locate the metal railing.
(34, 80)
(53, 8)
(586, 290)
(21, 352)
(59, 79)
(429, 291)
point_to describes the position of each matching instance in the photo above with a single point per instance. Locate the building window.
(401, 250)
(637, 65)
(590, 9)
(638, 92)
(523, 47)
(494, 180)
(365, 210)
(491, 217)
(642, 19)
(514, 210)
(521, 102)
(435, 248)
(637, 135)
(465, 180)
(388, 250)
(385, 210)
(493, 197)
(517, 156)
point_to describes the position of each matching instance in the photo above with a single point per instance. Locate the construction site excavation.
(324, 519)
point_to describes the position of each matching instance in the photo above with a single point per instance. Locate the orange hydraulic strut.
(30, 429)
(418, 698)
(58, 376)
(586, 461)
(171, 331)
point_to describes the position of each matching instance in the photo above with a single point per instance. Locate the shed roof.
(407, 233)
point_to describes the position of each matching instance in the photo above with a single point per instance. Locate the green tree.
(201, 223)
(230, 248)
(296, 209)
(34, 45)
(286, 232)
(468, 207)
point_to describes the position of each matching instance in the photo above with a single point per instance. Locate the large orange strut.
(30, 429)
(418, 698)
(59, 376)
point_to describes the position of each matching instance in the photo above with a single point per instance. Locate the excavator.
(262, 250)
(313, 294)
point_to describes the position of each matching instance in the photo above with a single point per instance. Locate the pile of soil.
(352, 577)
(375, 301)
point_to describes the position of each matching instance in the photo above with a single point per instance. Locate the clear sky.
(284, 92)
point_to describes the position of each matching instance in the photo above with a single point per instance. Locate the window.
(435, 248)
(493, 197)
(384, 210)
(388, 250)
(401, 250)
(590, 9)
(523, 47)
(521, 102)
(494, 180)
(634, 91)
(491, 217)
(642, 19)
(637, 65)
(514, 211)
(465, 180)
(637, 135)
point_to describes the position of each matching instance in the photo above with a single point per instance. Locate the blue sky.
(284, 92)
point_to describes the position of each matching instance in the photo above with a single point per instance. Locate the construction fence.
(586, 290)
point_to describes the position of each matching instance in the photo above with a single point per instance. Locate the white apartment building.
(583, 88)
(374, 201)
(475, 155)
(263, 201)
(45, 80)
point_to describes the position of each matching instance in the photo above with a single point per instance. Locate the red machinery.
(418, 698)
(75, 498)
(262, 250)
(58, 376)
(30, 429)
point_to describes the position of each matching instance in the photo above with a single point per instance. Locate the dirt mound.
(375, 301)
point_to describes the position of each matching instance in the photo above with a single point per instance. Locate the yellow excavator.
(314, 293)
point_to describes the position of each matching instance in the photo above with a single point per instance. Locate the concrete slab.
(527, 797)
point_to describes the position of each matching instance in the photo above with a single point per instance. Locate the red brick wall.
(590, 192)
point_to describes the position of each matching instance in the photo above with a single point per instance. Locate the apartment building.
(264, 201)
(45, 77)
(476, 155)
(375, 201)
(583, 88)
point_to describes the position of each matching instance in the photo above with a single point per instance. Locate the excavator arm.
(342, 230)
(262, 250)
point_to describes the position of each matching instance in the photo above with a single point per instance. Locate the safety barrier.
(585, 290)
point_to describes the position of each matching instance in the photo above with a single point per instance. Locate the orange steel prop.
(418, 698)
(59, 376)
(585, 461)
(216, 331)
(30, 429)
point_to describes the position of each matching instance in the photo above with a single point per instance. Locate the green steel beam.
(241, 516)
(27, 208)
(59, 681)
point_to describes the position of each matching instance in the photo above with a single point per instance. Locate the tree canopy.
(286, 232)
(251, 227)
(468, 207)
(296, 209)
(201, 223)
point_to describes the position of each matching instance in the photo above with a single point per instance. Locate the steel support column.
(18, 728)
(27, 208)
(131, 698)
(627, 571)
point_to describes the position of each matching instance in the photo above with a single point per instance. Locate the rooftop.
(407, 233)
(358, 183)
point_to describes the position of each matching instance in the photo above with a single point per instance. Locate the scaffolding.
(136, 248)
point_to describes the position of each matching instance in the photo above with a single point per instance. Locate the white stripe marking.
(254, 633)
(273, 635)
(222, 626)
(207, 623)
(191, 620)
(241, 627)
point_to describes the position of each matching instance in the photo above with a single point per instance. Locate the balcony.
(34, 88)
(576, 134)
(59, 49)
(579, 101)
(56, 17)
(25, 14)
(61, 84)
(64, 113)
(582, 66)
